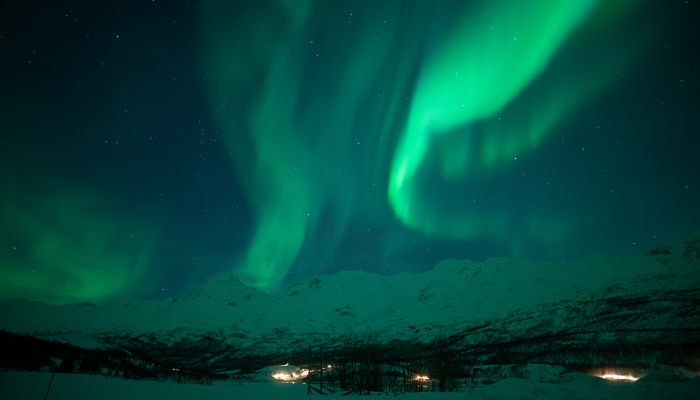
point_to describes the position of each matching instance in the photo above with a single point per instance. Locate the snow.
(452, 296)
(33, 385)
(517, 299)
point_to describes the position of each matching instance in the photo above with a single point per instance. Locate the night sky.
(149, 146)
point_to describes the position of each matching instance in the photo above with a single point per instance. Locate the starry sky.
(149, 146)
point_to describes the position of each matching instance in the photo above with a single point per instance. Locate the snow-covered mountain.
(595, 312)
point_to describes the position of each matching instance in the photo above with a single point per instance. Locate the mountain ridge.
(486, 312)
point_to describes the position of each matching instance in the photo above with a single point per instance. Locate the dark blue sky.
(150, 145)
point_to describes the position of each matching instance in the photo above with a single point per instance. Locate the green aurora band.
(298, 164)
(304, 106)
(492, 56)
(68, 249)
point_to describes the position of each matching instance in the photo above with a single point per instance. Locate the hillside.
(458, 320)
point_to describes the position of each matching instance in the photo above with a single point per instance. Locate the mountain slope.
(592, 312)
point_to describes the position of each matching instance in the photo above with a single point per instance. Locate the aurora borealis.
(148, 146)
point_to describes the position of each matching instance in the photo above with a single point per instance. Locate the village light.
(284, 376)
(619, 375)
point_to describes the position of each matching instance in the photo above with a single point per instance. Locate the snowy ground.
(592, 312)
(33, 385)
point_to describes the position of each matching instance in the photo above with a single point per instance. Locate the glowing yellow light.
(619, 377)
(290, 376)
(422, 378)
